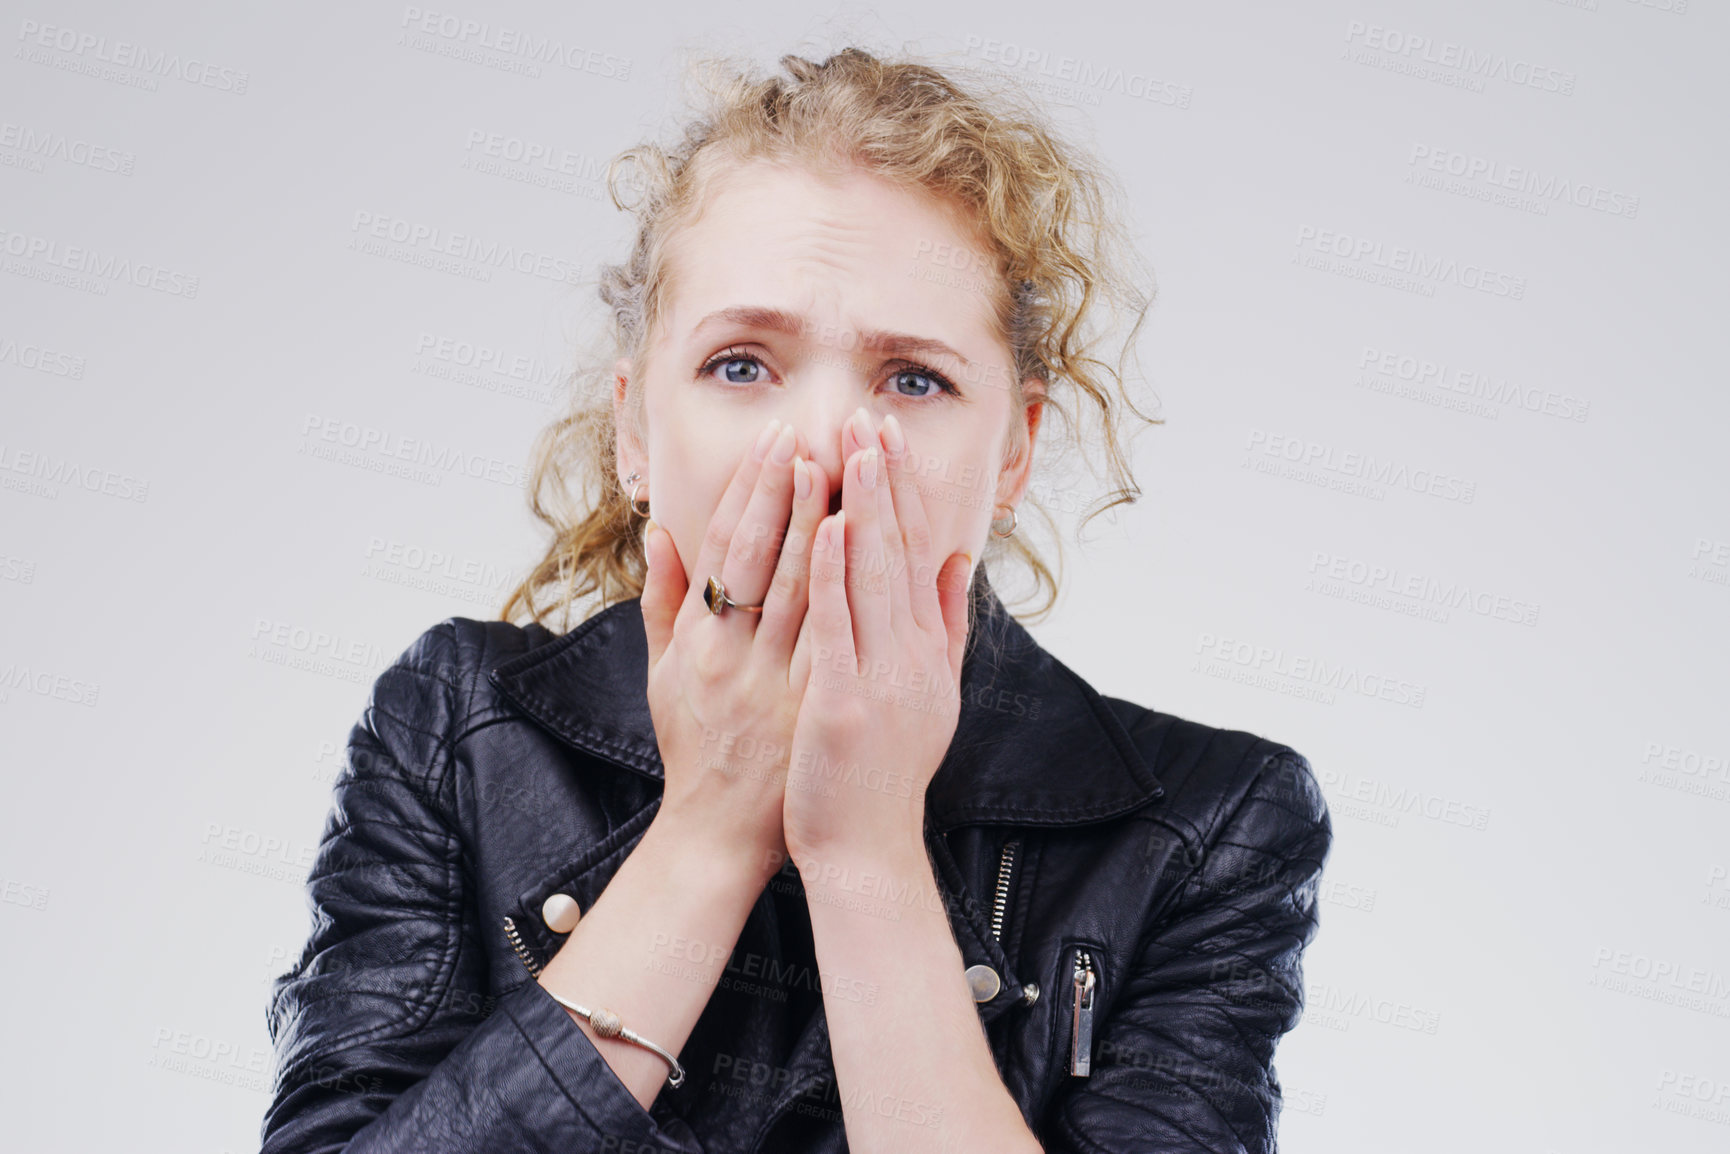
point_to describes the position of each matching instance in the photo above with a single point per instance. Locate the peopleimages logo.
(1661, 979)
(1306, 459)
(43, 144)
(1413, 262)
(86, 46)
(1476, 64)
(525, 46)
(484, 358)
(1467, 383)
(1543, 186)
(40, 359)
(429, 239)
(1354, 579)
(17, 678)
(1285, 671)
(1344, 788)
(81, 262)
(1335, 1001)
(43, 472)
(416, 458)
(1087, 77)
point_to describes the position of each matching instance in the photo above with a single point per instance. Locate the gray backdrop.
(1440, 500)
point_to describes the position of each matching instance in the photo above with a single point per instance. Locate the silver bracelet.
(607, 1025)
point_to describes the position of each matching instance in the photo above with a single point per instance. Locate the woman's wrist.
(880, 841)
(654, 945)
(893, 850)
(706, 848)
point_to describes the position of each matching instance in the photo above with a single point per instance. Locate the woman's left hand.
(888, 628)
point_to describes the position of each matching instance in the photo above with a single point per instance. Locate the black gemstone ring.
(715, 597)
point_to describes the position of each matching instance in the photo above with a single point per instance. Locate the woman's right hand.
(724, 691)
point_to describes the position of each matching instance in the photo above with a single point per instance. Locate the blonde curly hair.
(1045, 210)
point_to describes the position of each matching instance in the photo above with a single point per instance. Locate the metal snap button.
(1030, 993)
(984, 982)
(561, 913)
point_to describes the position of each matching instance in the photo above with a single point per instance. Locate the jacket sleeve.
(1185, 1059)
(385, 1035)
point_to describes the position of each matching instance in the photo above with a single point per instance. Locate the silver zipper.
(1000, 907)
(522, 950)
(1005, 868)
(1081, 1021)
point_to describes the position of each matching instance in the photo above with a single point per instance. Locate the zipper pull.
(1081, 1021)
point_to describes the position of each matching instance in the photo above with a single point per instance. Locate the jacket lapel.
(1034, 745)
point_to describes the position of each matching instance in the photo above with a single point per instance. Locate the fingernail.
(892, 438)
(868, 469)
(765, 438)
(784, 444)
(862, 426)
(648, 527)
(801, 478)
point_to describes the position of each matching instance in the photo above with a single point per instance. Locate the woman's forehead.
(824, 245)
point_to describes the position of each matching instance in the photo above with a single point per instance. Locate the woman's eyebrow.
(781, 321)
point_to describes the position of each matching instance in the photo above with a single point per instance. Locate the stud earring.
(1013, 522)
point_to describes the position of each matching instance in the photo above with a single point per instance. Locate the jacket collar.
(1034, 745)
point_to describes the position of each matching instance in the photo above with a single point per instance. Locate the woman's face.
(805, 297)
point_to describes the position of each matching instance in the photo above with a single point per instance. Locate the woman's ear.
(1018, 469)
(627, 411)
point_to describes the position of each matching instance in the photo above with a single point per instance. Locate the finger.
(954, 588)
(718, 537)
(895, 574)
(856, 434)
(663, 590)
(799, 666)
(867, 588)
(831, 623)
(784, 610)
(750, 562)
(915, 528)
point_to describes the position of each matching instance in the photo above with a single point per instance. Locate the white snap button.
(561, 913)
(984, 982)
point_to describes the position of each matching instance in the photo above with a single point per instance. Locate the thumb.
(954, 583)
(663, 590)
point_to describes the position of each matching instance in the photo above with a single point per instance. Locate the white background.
(1525, 938)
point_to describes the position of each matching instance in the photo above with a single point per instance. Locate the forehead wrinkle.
(830, 239)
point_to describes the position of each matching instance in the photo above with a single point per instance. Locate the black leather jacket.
(1115, 871)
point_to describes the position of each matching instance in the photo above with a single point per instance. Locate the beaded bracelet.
(607, 1025)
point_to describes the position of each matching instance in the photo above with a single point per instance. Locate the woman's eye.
(741, 368)
(741, 371)
(916, 383)
(738, 369)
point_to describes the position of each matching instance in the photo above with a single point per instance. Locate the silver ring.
(635, 483)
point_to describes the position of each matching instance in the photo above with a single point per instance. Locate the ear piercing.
(636, 483)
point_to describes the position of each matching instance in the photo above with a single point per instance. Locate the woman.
(801, 843)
